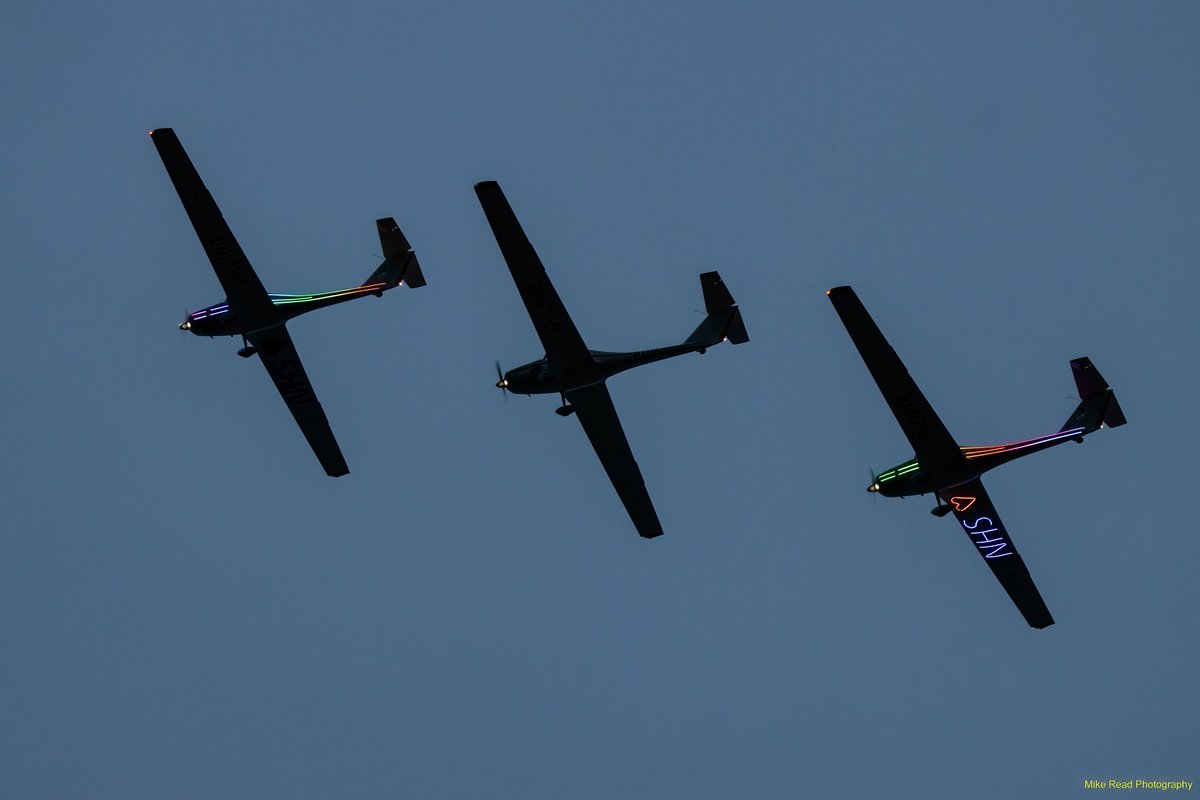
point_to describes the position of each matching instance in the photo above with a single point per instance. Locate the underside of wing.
(978, 517)
(279, 356)
(930, 440)
(596, 413)
(242, 287)
(564, 346)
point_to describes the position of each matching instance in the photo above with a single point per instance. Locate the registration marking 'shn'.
(990, 546)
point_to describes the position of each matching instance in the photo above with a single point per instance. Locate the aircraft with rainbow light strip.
(259, 317)
(950, 472)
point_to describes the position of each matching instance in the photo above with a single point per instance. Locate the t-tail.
(1098, 405)
(399, 260)
(724, 320)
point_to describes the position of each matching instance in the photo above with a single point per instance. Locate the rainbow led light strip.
(991, 450)
(986, 450)
(290, 299)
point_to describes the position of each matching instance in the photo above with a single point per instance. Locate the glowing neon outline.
(288, 299)
(989, 450)
(903, 469)
(292, 299)
(954, 502)
(996, 548)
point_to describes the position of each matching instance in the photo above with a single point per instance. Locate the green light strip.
(898, 471)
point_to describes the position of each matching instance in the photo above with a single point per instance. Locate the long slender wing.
(979, 519)
(242, 287)
(564, 346)
(931, 442)
(594, 407)
(279, 356)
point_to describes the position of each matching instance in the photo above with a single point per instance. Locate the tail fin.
(724, 320)
(1097, 404)
(400, 262)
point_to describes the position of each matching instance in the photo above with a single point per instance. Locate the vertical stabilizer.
(400, 262)
(724, 320)
(1097, 403)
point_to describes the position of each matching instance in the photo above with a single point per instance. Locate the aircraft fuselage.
(911, 478)
(541, 377)
(221, 320)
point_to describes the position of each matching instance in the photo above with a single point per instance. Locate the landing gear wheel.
(247, 349)
(566, 409)
(940, 510)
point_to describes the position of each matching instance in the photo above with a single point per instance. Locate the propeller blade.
(500, 382)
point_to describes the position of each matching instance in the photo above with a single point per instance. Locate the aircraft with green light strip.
(259, 317)
(951, 473)
(577, 374)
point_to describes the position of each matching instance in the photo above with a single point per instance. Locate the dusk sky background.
(189, 608)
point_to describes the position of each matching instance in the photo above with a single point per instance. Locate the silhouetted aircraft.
(951, 472)
(576, 373)
(260, 318)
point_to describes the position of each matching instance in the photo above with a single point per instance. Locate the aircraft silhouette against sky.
(576, 373)
(259, 317)
(951, 472)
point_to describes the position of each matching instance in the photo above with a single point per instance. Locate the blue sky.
(190, 608)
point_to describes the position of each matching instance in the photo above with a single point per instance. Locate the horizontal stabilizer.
(413, 277)
(736, 333)
(1114, 417)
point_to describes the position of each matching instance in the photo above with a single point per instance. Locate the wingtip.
(651, 535)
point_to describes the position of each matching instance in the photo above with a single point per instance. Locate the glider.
(577, 374)
(951, 473)
(260, 317)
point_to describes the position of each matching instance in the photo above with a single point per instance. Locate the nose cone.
(186, 325)
(502, 383)
(874, 487)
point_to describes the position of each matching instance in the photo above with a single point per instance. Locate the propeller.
(501, 383)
